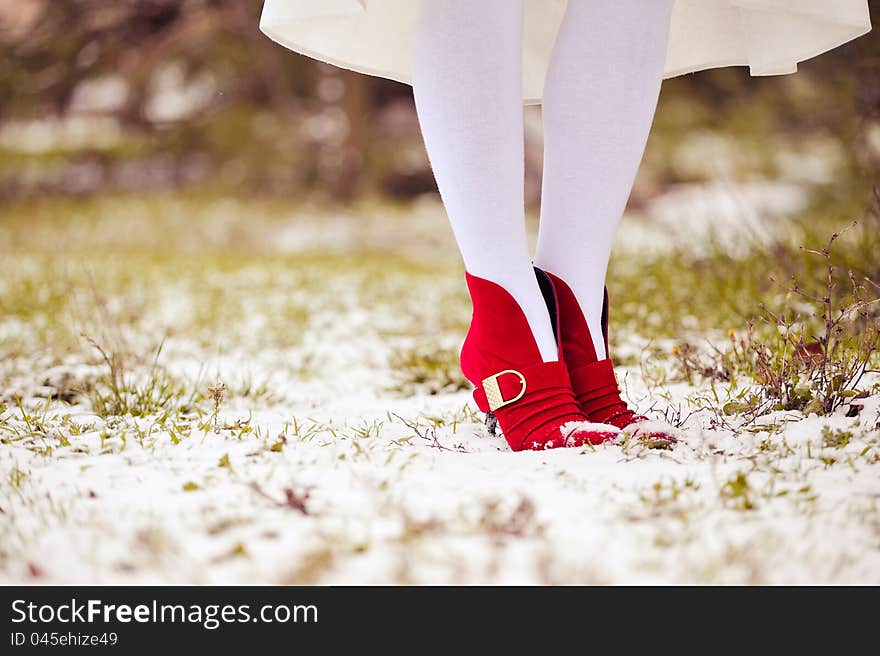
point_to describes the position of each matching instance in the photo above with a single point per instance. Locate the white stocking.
(599, 100)
(468, 92)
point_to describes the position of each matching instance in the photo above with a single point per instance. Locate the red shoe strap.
(546, 375)
(532, 420)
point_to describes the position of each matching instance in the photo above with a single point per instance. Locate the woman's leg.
(599, 100)
(468, 92)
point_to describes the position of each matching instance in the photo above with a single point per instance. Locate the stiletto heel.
(530, 400)
(491, 423)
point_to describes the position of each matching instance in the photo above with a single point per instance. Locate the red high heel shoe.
(592, 380)
(531, 400)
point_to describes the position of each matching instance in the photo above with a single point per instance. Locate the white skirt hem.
(771, 37)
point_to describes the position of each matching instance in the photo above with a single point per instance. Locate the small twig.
(292, 499)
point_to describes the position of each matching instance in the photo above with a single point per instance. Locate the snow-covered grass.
(210, 392)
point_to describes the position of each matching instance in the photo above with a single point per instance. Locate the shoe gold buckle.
(493, 390)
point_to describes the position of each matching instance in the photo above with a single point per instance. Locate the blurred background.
(222, 262)
(157, 95)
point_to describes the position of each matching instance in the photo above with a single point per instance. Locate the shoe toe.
(647, 429)
(580, 433)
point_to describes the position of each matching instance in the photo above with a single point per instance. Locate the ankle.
(523, 288)
(588, 290)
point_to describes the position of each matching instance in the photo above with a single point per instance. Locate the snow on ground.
(323, 465)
